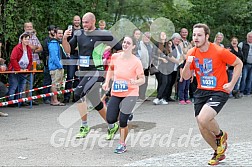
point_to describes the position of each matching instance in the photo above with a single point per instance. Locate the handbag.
(153, 70)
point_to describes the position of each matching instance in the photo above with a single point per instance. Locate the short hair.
(57, 29)
(234, 38)
(27, 23)
(90, 16)
(204, 26)
(102, 22)
(147, 34)
(249, 33)
(219, 33)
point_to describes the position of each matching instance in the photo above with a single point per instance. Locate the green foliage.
(233, 18)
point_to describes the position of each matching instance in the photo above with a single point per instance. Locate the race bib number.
(84, 61)
(208, 81)
(120, 86)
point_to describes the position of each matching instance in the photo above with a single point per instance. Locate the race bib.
(84, 61)
(120, 86)
(208, 81)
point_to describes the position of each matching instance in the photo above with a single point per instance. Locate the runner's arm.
(186, 72)
(237, 70)
(65, 43)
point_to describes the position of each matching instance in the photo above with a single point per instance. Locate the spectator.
(102, 25)
(36, 47)
(3, 89)
(55, 66)
(218, 39)
(45, 55)
(183, 86)
(3, 92)
(20, 60)
(177, 56)
(160, 60)
(137, 36)
(246, 81)
(146, 52)
(186, 45)
(238, 52)
(74, 56)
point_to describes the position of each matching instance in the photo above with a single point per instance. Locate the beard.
(52, 34)
(199, 46)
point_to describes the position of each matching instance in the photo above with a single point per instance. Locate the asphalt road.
(163, 135)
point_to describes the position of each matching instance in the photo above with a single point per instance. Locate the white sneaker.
(156, 101)
(163, 101)
(3, 114)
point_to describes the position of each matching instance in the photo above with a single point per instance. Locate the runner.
(209, 62)
(86, 40)
(127, 72)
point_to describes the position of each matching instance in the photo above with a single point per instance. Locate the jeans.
(246, 80)
(183, 88)
(230, 75)
(193, 87)
(16, 81)
(47, 81)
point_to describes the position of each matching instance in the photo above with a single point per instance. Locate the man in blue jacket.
(56, 68)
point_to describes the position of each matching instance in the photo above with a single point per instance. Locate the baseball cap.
(51, 27)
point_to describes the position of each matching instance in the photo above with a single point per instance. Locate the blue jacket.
(54, 61)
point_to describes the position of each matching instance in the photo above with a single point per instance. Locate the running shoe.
(163, 102)
(156, 101)
(216, 158)
(84, 130)
(121, 148)
(131, 116)
(221, 143)
(2, 114)
(182, 102)
(112, 132)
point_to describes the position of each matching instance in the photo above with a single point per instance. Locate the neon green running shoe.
(84, 130)
(112, 132)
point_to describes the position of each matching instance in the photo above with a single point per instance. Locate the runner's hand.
(67, 33)
(190, 59)
(228, 87)
(105, 87)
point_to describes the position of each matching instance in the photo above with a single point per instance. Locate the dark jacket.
(245, 51)
(45, 52)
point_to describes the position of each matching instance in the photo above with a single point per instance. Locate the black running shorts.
(214, 99)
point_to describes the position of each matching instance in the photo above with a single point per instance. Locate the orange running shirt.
(124, 70)
(210, 66)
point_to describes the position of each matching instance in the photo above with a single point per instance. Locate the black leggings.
(122, 107)
(89, 86)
